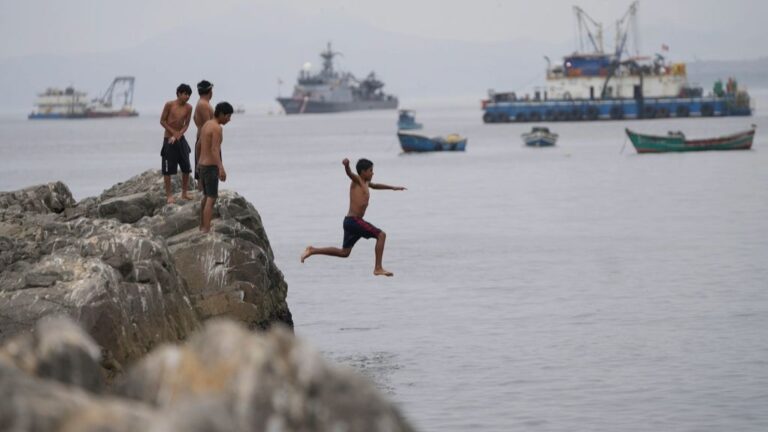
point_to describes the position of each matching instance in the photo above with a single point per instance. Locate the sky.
(723, 29)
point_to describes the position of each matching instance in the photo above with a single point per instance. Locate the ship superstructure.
(593, 84)
(334, 91)
(72, 104)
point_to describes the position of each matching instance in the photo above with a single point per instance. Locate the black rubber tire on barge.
(682, 111)
(521, 118)
(489, 118)
(617, 112)
(707, 110)
(592, 113)
(649, 112)
(535, 116)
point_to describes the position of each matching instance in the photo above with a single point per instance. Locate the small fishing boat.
(676, 142)
(539, 137)
(407, 120)
(418, 143)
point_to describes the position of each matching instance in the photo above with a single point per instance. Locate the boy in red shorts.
(355, 226)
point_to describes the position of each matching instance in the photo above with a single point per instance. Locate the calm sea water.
(581, 287)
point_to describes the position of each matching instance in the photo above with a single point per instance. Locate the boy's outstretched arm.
(352, 176)
(383, 186)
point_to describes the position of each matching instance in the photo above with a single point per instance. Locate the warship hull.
(301, 106)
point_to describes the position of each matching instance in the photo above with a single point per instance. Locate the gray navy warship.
(330, 91)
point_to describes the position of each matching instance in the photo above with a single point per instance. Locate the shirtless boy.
(203, 113)
(355, 226)
(175, 152)
(210, 165)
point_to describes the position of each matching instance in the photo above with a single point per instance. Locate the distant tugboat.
(73, 104)
(330, 91)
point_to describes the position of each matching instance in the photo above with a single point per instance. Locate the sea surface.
(577, 288)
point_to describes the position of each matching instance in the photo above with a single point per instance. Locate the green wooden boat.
(676, 142)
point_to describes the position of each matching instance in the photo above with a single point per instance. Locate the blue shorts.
(355, 228)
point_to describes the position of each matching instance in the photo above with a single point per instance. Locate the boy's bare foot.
(382, 272)
(307, 252)
(170, 200)
(205, 230)
(186, 197)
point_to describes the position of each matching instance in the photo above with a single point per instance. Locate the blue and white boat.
(419, 143)
(406, 120)
(540, 137)
(595, 84)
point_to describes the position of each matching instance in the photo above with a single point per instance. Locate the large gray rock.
(32, 404)
(119, 282)
(59, 350)
(106, 262)
(228, 379)
(48, 198)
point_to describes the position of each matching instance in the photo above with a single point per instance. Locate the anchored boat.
(331, 91)
(73, 104)
(419, 143)
(539, 137)
(600, 85)
(676, 142)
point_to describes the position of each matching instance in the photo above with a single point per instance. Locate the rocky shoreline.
(116, 312)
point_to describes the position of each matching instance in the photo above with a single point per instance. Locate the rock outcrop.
(131, 270)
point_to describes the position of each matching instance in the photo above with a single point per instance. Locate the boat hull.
(411, 143)
(409, 126)
(539, 139)
(611, 109)
(41, 116)
(301, 106)
(663, 144)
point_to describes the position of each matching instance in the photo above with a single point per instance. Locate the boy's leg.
(331, 251)
(168, 191)
(202, 211)
(378, 270)
(207, 214)
(185, 186)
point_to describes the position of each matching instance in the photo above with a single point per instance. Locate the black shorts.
(175, 155)
(355, 228)
(209, 179)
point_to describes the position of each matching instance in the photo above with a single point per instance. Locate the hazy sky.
(65, 27)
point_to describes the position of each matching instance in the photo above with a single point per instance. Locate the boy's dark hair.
(204, 87)
(362, 165)
(184, 88)
(223, 108)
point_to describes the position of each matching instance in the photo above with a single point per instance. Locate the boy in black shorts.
(355, 227)
(210, 165)
(175, 121)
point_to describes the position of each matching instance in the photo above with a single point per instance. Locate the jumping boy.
(210, 166)
(203, 113)
(175, 152)
(355, 226)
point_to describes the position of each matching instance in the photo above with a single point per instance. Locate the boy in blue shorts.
(355, 227)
